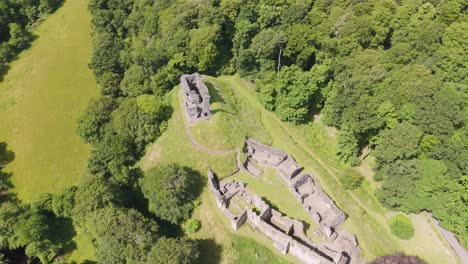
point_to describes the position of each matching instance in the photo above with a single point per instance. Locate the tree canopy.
(170, 191)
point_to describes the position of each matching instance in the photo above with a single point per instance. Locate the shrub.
(351, 180)
(402, 227)
(192, 225)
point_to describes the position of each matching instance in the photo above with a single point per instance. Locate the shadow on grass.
(89, 262)
(269, 203)
(214, 93)
(197, 182)
(5, 185)
(6, 156)
(13, 55)
(216, 98)
(63, 233)
(210, 252)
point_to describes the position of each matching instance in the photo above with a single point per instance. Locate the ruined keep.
(239, 205)
(196, 97)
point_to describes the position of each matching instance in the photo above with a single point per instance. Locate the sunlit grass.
(42, 95)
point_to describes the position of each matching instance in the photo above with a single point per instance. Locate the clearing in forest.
(42, 95)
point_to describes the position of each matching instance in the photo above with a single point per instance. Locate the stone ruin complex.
(196, 97)
(258, 153)
(240, 205)
(305, 188)
(317, 203)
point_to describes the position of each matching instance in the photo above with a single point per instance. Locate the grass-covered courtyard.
(237, 114)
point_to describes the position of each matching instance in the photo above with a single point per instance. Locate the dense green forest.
(390, 75)
(16, 16)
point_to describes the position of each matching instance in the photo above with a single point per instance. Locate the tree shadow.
(210, 252)
(63, 233)
(214, 94)
(167, 112)
(168, 229)
(6, 156)
(5, 186)
(15, 55)
(88, 262)
(3, 71)
(17, 256)
(197, 182)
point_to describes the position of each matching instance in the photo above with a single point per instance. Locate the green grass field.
(237, 113)
(42, 95)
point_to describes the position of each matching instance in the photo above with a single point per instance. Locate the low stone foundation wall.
(287, 234)
(305, 188)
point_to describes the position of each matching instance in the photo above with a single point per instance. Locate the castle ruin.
(240, 205)
(264, 155)
(196, 97)
(305, 188)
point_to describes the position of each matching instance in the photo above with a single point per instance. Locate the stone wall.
(289, 168)
(287, 234)
(262, 154)
(317, 203)
(285, 165)
(253, 170)
(305, 188)
(196, 97)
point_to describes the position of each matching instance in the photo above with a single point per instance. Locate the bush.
(402, 227)
(192, 225)
(351, 180)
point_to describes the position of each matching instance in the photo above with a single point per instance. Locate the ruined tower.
(196, 97)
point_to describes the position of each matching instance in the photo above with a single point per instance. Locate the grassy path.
(40, 99)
